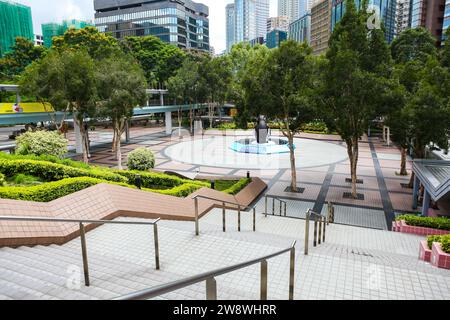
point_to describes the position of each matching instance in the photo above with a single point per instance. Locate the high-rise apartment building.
(320, 26)
(430, 15)
(230, 25)
(183, 23)
(386, 8)
(15, 21)
(50, 30)
(402, 16)
(279, 23)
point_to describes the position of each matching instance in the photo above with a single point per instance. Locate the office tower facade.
(402, 16)
(262, 14)
(279, 23)
(320, 26)
(289, 8)
(430, 15)
(183, 23)
(15, 21)
(50, 30)
(230, 25)
(446, 22)
(245, 20)
(386, 8)
(300, 29)
(275, 38)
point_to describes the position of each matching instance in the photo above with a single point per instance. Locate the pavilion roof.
(434, 175)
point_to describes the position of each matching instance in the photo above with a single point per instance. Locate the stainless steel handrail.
(82, 223)
(320, 223)
(239, 207)
(209, 277)
(275, 198)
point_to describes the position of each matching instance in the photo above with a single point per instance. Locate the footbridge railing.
(211, 283)
(82, 223)
(223, 203)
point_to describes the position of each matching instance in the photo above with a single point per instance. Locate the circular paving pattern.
(216, 152)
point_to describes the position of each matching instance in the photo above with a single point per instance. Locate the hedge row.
(181, 191)
(52, 190)
(236, 188)
(443, 240)
(49, 171)
(151, 179)
(427, 222)
(48, 158)
(2, 179)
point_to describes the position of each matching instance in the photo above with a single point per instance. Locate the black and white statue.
(262, 131)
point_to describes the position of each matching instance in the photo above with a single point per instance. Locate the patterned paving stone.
(359, 217)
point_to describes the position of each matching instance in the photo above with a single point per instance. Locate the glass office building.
(275, 38)
(387, 12)
(446, 23)
(15, 21)
(180, 22)
(230, 14)
(300, 29)
(245, 20)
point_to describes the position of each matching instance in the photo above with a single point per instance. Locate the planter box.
(439, 258)
(424, 251)
(421, 231)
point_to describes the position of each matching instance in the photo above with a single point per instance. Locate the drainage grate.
(348, 195)
(299, 190)
(358, 181)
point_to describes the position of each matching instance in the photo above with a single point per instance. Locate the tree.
(23, 53)
(445, 53)
(66, 78)
(159, 60)
(121, 85)
(353, 78)
(413, 44)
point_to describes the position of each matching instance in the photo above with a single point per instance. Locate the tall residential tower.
(230, 21)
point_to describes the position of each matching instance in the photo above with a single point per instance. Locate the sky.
(55, 11)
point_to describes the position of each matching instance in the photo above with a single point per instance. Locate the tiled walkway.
(378, 164)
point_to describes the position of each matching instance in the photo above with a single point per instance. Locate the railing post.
(329, 212)
(324, 228)
(84, 254)
(285, 209)
(254, 219)
(211, 289)
(307, 232)
(224, 217)
(273, 206)
(320, 230)
(155, 235)
(281, 208)
(239, 218)
(315, 231)
(197, 229)
(264, 280)
(292, 274)
(265, 211)
(332, 214)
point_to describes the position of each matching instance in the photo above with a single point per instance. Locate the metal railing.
(320, 223)
(274, 198)
(330, 213)
(210, 279)
(83, 234)
(224, 203)
(10, 148)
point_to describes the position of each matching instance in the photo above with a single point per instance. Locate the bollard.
(239, 218)
(307, 233)
(213, 185)
(138, 181)
(265, 211)
(248, 174)
(224, 217)
(254, 219)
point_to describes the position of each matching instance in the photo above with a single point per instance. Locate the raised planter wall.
(401, 226)
(439, 258)
(424, 251)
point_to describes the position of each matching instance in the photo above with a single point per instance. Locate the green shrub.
(181, 191)
(443, 240)
(152, 179)
(431, 239)
(44, 157)
(235, 189)
(23, 179)
(41, 142)
(427, 222)
(141, 159)
(49, 171)
(2, 179)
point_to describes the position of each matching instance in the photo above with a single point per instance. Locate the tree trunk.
(114, 142)
(353, 153)
(119, 153)
(403, 171)
(293, 165)
(84, 139)
(191, 122)
(119, 127)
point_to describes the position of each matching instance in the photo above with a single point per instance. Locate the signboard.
(27, 107)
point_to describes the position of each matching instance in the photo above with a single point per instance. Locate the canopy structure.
(434, 175)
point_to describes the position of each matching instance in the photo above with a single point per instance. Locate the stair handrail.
(211, 284)
(239, 207)
(275, 198)
(82, 223)
(320, 223)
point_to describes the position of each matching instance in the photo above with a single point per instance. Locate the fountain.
(263, 143)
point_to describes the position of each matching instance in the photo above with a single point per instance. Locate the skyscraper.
(15, 21)
(183, 23)
(262, 14)
(250, 19)
(387, 14)
(320, 26)
(50, 30)
(300, 29)
(230, 21)
(430, 15)
(402, 16)
(289, 8)
(446, 23)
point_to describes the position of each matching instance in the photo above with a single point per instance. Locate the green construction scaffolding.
(50, 30)
(15, 21)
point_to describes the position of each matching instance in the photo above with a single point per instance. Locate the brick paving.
(311, 178)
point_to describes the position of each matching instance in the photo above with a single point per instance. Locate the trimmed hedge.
(443, 240)
(52, 190)
(427, 222)
(151, 179)
(2, 179)
(48, 158)
(235, 189)
(181, 191)
(49, 171)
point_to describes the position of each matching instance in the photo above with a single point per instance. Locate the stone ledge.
(424, 251)
(439, 258)
(403, 227)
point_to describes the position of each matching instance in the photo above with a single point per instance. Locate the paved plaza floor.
(323, 170)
